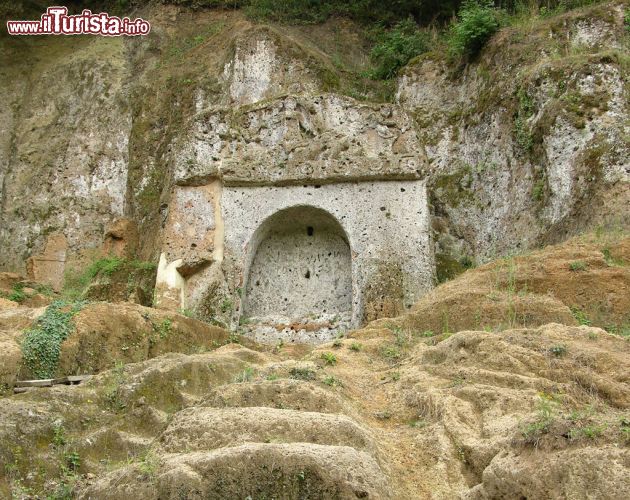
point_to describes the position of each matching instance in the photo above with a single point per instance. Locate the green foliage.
(41, 345)
(329, 358)
(363, 11)
(17, 295)
(332, 381)
(112, 390)
(356, 346)
(533, 431)
(396, 47)
(246, 375)
(391, 352)
(612, 261)
(477, 21)
(577, 265)
(558, 350)
(76, 281)
(522, 134)
(337, 343)
(59, 436)
(302, 373)
(580, 316)
(623, 330)
(538, 191)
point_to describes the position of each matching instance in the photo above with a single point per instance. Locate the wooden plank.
(46, 382)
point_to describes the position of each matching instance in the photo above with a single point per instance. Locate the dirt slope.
(389, 411)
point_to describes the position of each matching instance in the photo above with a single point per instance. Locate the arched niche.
(299, 268)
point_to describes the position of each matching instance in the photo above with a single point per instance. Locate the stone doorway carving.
(300, 270)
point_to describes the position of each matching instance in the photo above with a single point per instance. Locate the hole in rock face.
(322, 253)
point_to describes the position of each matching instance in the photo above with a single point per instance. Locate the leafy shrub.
(395, 48)
(41, 345)
(329, 358)
(477, 22)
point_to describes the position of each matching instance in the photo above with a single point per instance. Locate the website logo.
(56, 21)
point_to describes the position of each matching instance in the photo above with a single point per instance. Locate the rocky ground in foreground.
(511, 381)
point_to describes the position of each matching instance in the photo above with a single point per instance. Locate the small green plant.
(332, 381)
(329, 358)
(417, 424)
(558, 350)
(17, 294)
(580, 316)
(149, 464)
(577, 265)
(272, 376)
(383, 414)
(72, 460)
(245, 376)
(59, 436)
(302, 373)
(337, 343)
(427, 334)
(538, 190)
(611, 260)
(477, 21)
(621, 330)
(396, 376)
(41, 345)
(533, 431)
(391, 352)
(589, 431)
(356, 346)
(112, 390)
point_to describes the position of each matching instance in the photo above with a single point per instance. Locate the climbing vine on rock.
(41, 345)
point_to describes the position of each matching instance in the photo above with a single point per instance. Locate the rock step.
(204, 428)
(281, 393)
(280, 471)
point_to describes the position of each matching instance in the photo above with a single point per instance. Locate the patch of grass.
(41, 345)
(76, 281)
(580, 316)
(577, 265)
(302, 373)
(417, 423)
(558, 350)
(245, 376)
(329, 358)
(533, 431)
(115, 381)
(391, 352)
(332, 381)
(149, 464)
(356, 346)
(620, 330)
(588, 431)
(610, 260)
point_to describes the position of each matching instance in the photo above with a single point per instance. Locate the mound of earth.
(585, 280)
